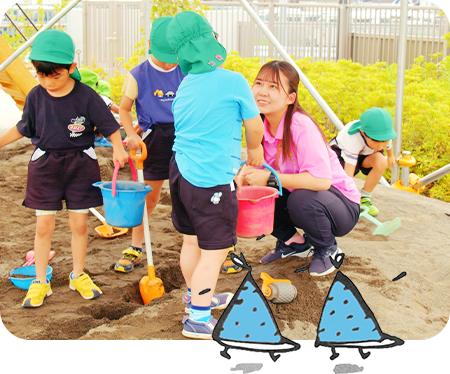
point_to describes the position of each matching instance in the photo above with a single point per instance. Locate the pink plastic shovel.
(31, 260)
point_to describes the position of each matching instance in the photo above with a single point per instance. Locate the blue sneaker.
(219, 301)
(197, 329)
(326, 261)
(102, 142)
(294, 249)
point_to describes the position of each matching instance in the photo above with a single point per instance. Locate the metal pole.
(322, 103)
(432, 177)
(28, 18)
(30, 41)
(401, 67)
(17, 28)
(336, 121)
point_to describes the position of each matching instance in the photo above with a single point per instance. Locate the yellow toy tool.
(278, 290)
(150, 286)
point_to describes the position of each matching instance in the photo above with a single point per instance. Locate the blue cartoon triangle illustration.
(348, 322)
(248, 323)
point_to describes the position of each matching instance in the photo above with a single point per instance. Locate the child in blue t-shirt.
(208, 112)
(152, 87)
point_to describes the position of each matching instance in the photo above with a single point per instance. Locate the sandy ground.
(415, 307)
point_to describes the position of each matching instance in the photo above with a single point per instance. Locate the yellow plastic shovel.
(149, 286)
(105, 230)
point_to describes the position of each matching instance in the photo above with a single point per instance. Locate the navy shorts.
(361, 158)
(159, 151)
(58, 175)
(209, 213)
(322, 215)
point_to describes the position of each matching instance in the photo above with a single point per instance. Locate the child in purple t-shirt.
(318, 196)
(152, 87)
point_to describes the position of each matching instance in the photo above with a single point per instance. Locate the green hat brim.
(167, 58)
(379, 137)
(354, 128)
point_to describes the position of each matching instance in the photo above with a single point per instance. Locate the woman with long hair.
(318, 196)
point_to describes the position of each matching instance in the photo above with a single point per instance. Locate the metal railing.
(361, 33)
(30, 41)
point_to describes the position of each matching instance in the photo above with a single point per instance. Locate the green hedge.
(350, 88)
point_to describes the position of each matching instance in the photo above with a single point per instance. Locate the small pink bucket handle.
(116, 171)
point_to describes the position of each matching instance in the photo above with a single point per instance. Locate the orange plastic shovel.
(149, 286)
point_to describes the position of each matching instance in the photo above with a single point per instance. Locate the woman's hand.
(256, 177)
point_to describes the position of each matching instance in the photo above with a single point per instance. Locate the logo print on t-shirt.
(76, 127)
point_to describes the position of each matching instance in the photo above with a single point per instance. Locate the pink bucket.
(256, 211)
(257, 208)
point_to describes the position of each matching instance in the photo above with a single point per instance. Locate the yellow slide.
(16, 80)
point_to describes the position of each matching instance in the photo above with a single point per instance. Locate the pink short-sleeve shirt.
(313, 155)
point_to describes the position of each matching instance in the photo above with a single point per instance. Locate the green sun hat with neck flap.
(192, 38)
(159, 47)
(55, 46)
(89, 77)
(376, 124)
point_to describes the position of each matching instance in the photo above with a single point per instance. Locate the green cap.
(89, 77)
(192, 38)
(376, 124)
(159, 47)
(54, 46)
(103, 88)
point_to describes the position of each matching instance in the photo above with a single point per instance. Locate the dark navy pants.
(322, 215)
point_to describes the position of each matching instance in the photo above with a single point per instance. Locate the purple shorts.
(209, 213)
(159, 151)
(58, 175)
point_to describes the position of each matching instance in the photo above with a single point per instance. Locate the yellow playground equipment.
(408, 182)
(16, 80)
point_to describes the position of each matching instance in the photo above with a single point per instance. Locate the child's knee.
(380, 162)
(44, 228)
(79, 226)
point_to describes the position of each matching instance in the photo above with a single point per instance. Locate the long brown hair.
(271, 72)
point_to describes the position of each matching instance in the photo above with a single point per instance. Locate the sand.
(415, 307)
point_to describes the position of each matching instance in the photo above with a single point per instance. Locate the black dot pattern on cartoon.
(256, 324)
(332, 312)
(237, 323)
(349, 314)
(355, 329)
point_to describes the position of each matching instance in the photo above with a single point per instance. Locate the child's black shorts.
(56, 175)
(159, 151)
(361, 158)
(209, 213)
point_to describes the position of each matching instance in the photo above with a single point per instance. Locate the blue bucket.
(29, 272)
(123, 201)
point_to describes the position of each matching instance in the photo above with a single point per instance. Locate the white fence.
(361, 33)
(111, 30)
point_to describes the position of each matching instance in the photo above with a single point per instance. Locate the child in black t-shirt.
(59, 116)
